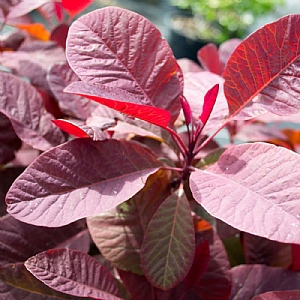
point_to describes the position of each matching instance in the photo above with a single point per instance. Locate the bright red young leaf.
(23, 105)
(267, 62)
(121, 101)
(208, 56)
(209, 103)
(84, 178)
(254, 188)
(82, 131)
(139, 62)
(169, 243)
(73, 273)
(75, 7)
(17, 283)
(251, 280)
(280, 295)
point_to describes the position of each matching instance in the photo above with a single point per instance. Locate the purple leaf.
(186, 110)
(84, 178)
(254, 188)
(119, 233)
(215, 283)
(280, 295)
(9, 141)
(168, 249)
(258, 250)
(73, 273)
(199, 266)
(60, 76)
(17, 283)
(123, 50)
(266, 62)
(19, 240)
(23, 105)
(251, 280)
(209, 103)
(121, 101)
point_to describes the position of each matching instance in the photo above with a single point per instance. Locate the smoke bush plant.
(138, 170)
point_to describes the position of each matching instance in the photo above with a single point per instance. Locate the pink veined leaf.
(209, 102)
(208, 56)
(254, 188)
(119, 100)
(74, 273)
(266, 63)
(84, 178)
(139, 62)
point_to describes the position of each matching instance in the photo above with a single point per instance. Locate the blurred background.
(194, 23)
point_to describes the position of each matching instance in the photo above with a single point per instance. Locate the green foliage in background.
(233, 17)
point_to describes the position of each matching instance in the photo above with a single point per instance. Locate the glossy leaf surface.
(267, 62)
(168, 249)
(254, 188)
(88, 178)
(23, 105)
(74, 273)
(123, 50)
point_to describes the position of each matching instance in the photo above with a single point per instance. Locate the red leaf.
(280, 295)
(209, 102)
(119, 100)
(267, 62)
(139, 62)
(59, 35)
(295, 266)
(199, 266)
(208, 56)
(75, 7)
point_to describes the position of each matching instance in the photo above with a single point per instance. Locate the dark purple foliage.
(139, 160)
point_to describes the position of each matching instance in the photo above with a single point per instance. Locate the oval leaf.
(23, 105)
(78, 179)
(267, 62)
(124, 50)
(254, 188)
(169, 243)
(73, 273)
(280, 295)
